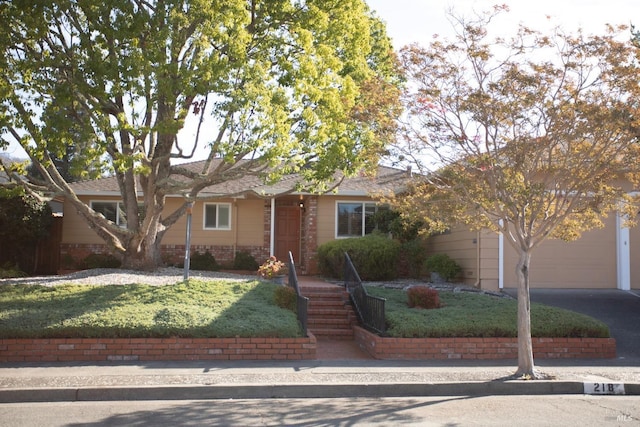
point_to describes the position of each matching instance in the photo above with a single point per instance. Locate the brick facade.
(266, 241)
(144, 349)
(481, 348)
(171, 254)
(309, 236)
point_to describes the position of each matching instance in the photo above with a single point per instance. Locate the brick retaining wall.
(142, 349)
(481, 348)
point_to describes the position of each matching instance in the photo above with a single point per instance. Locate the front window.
(355, 219)
(217, 216)
(113, 211)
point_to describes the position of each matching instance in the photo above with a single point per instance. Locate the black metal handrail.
(302, 302)
(370, 309)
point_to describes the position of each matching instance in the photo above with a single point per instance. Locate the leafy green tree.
(68, 158)
(307, 86)
(532, 137)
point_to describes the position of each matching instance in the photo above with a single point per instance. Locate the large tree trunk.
(526, 367)
(140, 255)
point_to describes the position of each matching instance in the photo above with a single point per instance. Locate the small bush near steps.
(423, 297)
(285, 297)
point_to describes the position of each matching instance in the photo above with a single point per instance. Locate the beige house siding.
(75, 229)
(246, 231)
(461, 245)
(489, 261)
(477, 254)
(589, 262)
(247, 227)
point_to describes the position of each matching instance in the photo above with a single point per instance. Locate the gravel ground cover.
(114, 276)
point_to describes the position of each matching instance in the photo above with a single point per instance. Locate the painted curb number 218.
(603, 388)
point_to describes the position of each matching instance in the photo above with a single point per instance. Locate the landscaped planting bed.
(471, 325)
(196, 320)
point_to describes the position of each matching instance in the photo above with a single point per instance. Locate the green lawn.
(467, 314)
(224, 308)
(218, 308)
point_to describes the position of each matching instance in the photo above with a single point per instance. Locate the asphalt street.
(535, 411)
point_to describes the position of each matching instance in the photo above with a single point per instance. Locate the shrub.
(415, 255)
(423, 297)
(245, 261)
(100, 261)
(389, 221)
(10, 271)
(285, 297)
(171, 260)
(205, 261)
(374, 256)
(67, 262)
(24, 220)
(442, 264)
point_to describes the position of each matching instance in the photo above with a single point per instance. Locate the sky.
(416, 21)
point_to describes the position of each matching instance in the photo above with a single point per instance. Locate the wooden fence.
(43, 258)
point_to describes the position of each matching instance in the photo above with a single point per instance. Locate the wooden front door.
(287, 232)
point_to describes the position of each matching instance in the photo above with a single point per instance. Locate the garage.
(589, 262)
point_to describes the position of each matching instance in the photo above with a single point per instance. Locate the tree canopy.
(533, 136)
(308, 86)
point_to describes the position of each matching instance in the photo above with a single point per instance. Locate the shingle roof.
(385, 180)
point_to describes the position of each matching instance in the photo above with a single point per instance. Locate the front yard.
(224, 308)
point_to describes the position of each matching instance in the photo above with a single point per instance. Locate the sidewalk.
(304, 379)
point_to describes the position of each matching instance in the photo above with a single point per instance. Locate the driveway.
(620, 310)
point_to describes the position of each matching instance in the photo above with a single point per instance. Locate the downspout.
(235, 227)
(272, 228)
(477, 284)
(623, 258)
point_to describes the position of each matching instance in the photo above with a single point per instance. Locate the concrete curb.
(275, 391)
